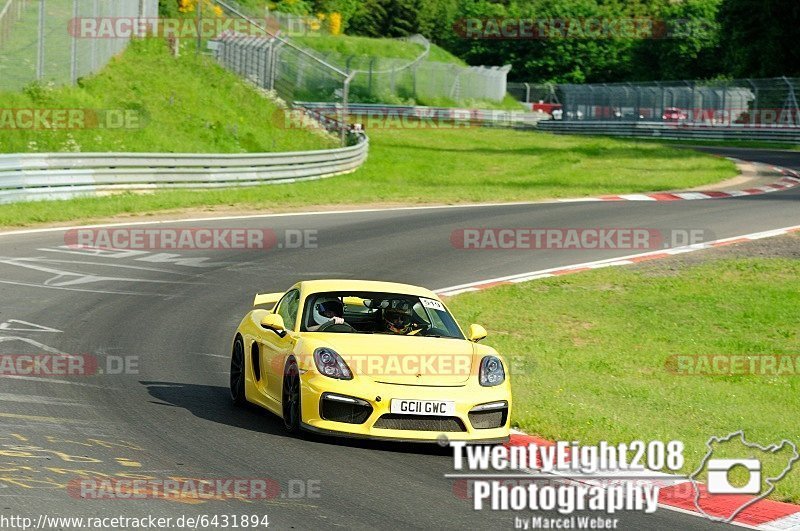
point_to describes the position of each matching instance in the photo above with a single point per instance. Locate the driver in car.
(327, 310)
(398, 319)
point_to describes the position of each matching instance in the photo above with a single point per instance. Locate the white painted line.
(533, 277)
(458, 291)
(83, 290)
(13, 324)
(579, 200)
(787, 523)
(612, 264)
(691, 195)
(53, 380)
(282, 215)
(694, 513)
(622, 260)
(36, 344)
(638, 197)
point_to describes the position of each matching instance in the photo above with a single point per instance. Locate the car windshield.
(378, 313)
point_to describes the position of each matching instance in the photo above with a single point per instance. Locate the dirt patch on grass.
(785, 247)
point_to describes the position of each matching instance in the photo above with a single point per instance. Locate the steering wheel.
(330, 326)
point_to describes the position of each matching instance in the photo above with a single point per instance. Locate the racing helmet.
(324, 305)
(398, 316)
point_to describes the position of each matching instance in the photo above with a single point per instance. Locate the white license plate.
(441, 408)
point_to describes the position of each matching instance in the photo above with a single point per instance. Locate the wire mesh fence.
(40, 40)
(382, 80)
(390, 80)
(274, 63)
(769, 102)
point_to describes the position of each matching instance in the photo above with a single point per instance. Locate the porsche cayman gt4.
(369, 359)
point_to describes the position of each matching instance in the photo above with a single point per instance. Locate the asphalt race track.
(174, 417)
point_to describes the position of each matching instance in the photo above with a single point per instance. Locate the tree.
(685, 45)
(759, 38)
(386, 18)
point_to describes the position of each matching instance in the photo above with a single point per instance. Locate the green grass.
(188, 104)
(591, 351)
(755, 144)
(434, 166)
(346, 45)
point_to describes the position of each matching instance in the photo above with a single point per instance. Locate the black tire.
(291, 397)
(237, 373)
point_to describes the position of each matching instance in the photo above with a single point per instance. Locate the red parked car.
(674, 114)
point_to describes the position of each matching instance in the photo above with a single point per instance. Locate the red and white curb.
(675, 493)
(791, 179)
(678, 494)
(610, 262)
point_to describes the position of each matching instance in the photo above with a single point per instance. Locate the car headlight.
(492, 372)
(331, 364)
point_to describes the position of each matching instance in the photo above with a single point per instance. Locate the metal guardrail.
(38, 176)
(674, 131)
(364, 112)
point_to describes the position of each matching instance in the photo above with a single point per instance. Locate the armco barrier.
(37, 176)
(673, 131)
(482, 117)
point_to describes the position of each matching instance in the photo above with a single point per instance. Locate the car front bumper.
(382, 424)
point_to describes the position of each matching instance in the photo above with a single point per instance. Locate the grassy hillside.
(188, 104)
(346, 45)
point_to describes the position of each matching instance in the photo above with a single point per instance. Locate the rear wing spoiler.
(267, 299)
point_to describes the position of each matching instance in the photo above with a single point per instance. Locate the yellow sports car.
(369, 359)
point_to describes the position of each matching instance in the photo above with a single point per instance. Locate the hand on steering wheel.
(333, 326)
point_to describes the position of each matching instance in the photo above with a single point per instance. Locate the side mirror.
(476, 333)
(274, 322)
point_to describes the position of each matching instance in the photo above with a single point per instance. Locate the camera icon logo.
(722, 474)
(719, 480)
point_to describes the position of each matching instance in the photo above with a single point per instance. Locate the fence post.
(754, 110)
(371, 67)
(73, 69)
(724, 102)
(414, 80)
(199, 25)
(527, 93)
(93, 42)
(345, 114)
(274, 65)
(40, 52)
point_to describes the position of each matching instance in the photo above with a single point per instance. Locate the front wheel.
(237, 373)
(291, 397)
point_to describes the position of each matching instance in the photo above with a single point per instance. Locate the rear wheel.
(237, 373)
(291, 397)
